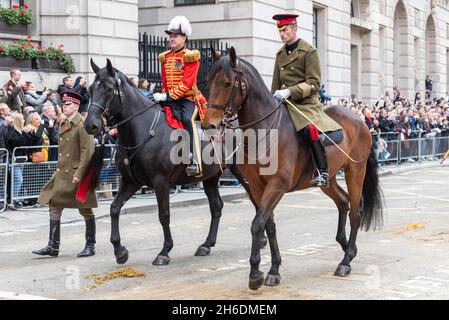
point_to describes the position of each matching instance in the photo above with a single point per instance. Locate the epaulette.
(280, 50)
(192, 56)
(162, 56)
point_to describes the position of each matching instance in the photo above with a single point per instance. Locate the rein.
(229, 115)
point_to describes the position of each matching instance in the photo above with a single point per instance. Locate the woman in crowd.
(32, 98)
(21, 136)
(146, 88)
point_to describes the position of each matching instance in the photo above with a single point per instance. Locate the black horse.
(143, 156)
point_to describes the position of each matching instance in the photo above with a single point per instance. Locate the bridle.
(227, 109)
(106, 111)
(228, 114)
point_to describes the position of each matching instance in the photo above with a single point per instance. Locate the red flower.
(25, 6)
(22, 13)
(14, 41)
(22, 47)
(15, 7)
(31, 10)
(29, 44)
(30, 37)
(2, 49)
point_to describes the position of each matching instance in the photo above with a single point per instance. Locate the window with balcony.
(11, 3)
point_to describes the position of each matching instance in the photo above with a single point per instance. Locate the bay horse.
(237, 89)
(143, 157)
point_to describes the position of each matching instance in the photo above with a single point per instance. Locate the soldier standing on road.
(75, 149)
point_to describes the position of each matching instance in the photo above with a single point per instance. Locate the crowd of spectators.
(29, 118)
(395, 120)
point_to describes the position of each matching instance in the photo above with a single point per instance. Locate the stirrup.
(321, 180)
(193, 170)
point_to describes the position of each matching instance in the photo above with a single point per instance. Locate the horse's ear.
(233, 57)
(94, 66)
(215, 55)
(110, 68)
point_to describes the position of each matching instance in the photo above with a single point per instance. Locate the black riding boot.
(319, 154)
(89, 249)
(52, 249)
(192, 169)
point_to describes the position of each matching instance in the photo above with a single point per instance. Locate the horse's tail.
(372, 196)
(91, 178)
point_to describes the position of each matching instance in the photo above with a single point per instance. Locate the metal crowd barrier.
(4, 158)
(420, 147)
(26, 179)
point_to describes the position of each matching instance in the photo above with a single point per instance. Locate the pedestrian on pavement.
(75, 149)
(429, 85)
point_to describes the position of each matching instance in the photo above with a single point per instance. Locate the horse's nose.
(91, 128)
(211, 127)
(94, 128)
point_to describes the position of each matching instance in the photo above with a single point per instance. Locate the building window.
(10, 3)
(416, 18)
(382, 6)
(192, 2)
(315, 28)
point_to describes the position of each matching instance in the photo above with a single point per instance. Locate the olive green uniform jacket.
(75, 149)
(300, 71)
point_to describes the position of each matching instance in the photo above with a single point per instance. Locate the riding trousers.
(56, 213)
(309, 134)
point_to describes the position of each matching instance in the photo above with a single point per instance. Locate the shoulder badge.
(192, 56)
(162, 56)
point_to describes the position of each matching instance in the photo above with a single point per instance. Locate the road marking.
(243, 263)
(416, 286)
(19, 296)
(308, 250)
(416, 195)
(27, 230)
(298, 206)
(7, 234)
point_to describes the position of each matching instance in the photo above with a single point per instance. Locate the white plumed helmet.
(179, 25)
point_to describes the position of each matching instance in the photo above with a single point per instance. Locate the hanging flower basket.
(47, 59)
(47, 65)
(13, 28)
(9, 62)
(17, 15)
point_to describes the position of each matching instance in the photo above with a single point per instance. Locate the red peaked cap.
(70, 96)
(285, 19)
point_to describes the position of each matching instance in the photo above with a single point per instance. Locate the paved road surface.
(407, 259)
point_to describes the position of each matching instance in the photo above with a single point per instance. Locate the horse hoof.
(202, 251)
(161, 261)
(255, 282)
(272, 280)
(263, 242)
(342, 270)
(122, 256)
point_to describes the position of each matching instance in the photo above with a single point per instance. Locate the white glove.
(160, 97)
(281, 95)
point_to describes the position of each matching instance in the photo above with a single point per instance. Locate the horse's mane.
(225, 64)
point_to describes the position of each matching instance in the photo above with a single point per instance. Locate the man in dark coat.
(75, 149)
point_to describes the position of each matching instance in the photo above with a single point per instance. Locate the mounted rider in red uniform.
(180, 68)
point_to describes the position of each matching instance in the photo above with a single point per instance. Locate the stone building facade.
(96, 29)
(366, 46)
